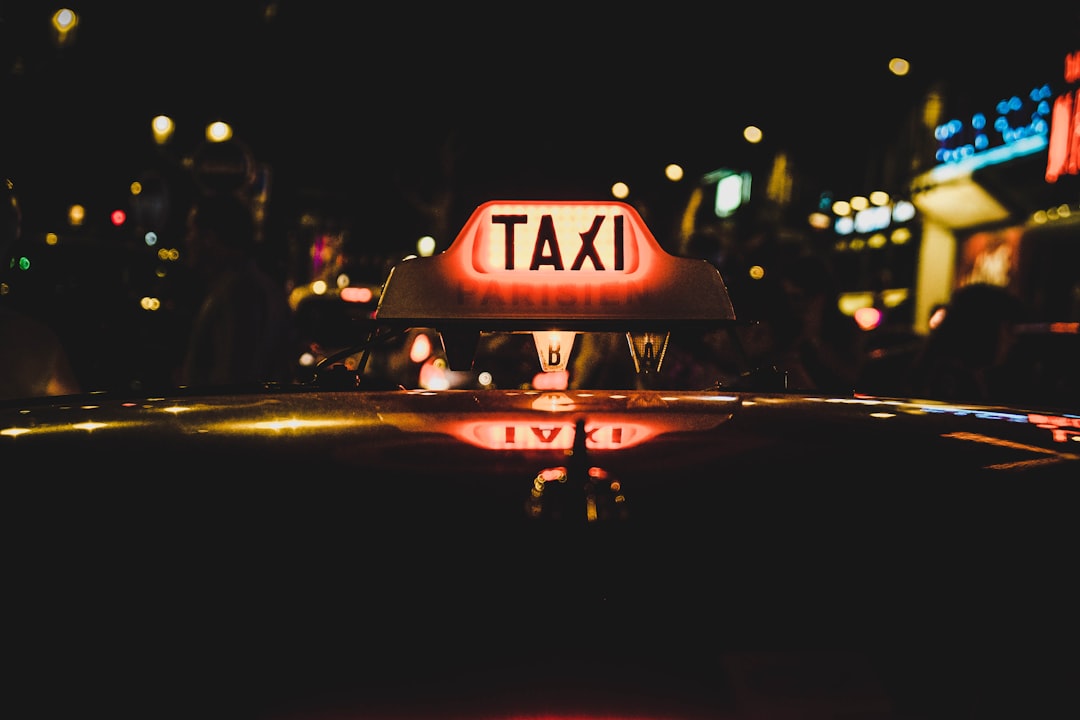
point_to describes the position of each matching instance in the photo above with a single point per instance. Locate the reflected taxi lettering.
(550, 435)
(558, 436)
(522, 295)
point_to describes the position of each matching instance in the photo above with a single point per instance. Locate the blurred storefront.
(1002, 204)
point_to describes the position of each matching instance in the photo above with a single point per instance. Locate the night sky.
(378, 104)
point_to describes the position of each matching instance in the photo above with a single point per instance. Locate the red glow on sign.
(555, 259)
(554, 380)
(531, 241)
(118, 217)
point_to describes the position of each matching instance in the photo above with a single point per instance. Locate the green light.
(24, 263)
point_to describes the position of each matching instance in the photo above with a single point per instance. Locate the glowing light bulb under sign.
(648, 349)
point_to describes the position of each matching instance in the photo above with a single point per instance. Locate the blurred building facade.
(1001, 202)
(977, 187)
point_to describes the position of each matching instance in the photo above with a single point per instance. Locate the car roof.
(312, 551)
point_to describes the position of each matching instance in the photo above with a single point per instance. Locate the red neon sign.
(1063, 153)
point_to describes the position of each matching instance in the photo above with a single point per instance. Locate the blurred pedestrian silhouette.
(826, 345)
(243, 330)
(800, 330)
(33, 360)
(965, 356)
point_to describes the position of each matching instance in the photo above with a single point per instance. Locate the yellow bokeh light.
(64, 21)
(893, 297)
(162, 127)
(900, 236)
(849, 302)
(218, 131)
(425, 246)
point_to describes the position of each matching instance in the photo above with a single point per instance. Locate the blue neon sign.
(1019, 124)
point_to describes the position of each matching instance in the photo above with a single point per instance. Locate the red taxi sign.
(554, 263)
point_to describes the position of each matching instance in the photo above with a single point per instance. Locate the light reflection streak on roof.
(280, 425)
(979, 413)
(999, 442)
(290, 424)
(1053, 458)
(66, 427)
(269, 426)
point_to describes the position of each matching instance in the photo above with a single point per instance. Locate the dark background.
(382, 103)
(390, 121)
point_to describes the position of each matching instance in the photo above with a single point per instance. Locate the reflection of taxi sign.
(554, 263)
(612, 424)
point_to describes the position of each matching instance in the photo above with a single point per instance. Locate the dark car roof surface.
(417, 433)
(304, 553)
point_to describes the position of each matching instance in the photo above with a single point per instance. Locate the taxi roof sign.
(554, 264)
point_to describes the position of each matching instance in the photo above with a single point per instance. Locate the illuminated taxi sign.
(554, 262)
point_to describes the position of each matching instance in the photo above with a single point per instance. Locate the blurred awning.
(992, 187)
